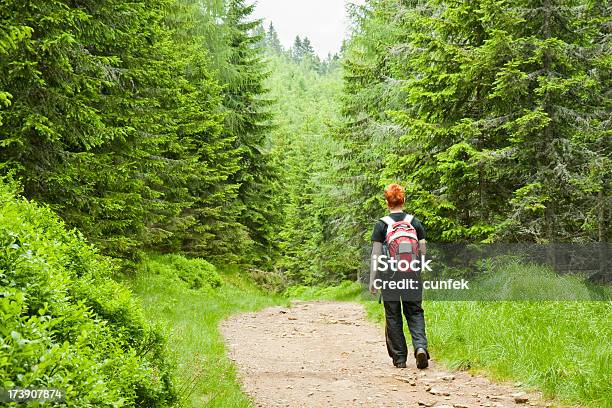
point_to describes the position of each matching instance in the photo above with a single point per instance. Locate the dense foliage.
(66, 323)
(142, 124)
(306, 104)
(494, 115)
(185, 126)
(115, 114)
(150, 125)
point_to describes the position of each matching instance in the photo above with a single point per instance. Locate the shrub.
(271, 281)
(195, 272)
(65, 323)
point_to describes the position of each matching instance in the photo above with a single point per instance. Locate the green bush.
(195, 272)
(65, 323)
(272, 281)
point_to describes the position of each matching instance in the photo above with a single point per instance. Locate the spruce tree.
(83, 150)
(498, 98)
(366, 131)
(272, 41)
(127, 120)
(296, 49)
(211, 158)
(306, 49)
(558, 107)
(248, 120)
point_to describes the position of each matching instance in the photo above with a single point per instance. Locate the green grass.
(204, 375)
(346, 291)
(561, 348)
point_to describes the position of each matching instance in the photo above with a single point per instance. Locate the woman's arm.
(377, 248)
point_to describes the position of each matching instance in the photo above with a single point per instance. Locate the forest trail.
(325, 354)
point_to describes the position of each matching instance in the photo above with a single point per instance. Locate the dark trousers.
(394, 332)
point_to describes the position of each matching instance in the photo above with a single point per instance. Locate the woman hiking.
(400, 236)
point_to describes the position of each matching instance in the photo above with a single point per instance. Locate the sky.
(324, 22)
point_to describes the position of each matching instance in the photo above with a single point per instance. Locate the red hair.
(395, 195)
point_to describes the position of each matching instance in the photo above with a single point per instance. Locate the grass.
(560, 348)
(205, 377)
(346, 291)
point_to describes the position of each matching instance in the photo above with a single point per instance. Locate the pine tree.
(297, 49)
(272, 41)
(495, 99)
(248, 120)
(445, 118)
(83, 151)
(306, 49)
(558, 105)
(498, 114)
(130, 127)
(367, 133)
(212, 159)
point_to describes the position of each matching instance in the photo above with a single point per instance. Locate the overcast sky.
(324, 22)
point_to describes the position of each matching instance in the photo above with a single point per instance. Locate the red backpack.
(401, 240)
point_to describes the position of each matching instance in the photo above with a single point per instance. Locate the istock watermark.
(401, 279)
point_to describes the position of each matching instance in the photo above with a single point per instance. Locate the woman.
(394, 334)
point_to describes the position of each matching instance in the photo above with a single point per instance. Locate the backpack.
(401, 240)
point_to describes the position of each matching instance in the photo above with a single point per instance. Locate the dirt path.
(325, 354)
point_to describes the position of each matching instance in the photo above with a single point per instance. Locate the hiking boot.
(421, 358)
(400, 365)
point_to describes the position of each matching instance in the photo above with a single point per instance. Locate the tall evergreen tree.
(467, 83)
(89, 150)
(296, 50)
(367, 132)
(129, 135)
(248, 120)
(496, 106)
(306, 50)
(211, 155)
(272, 41)
(302, 51)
